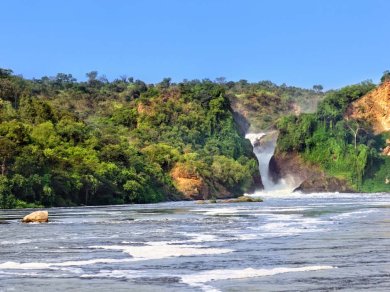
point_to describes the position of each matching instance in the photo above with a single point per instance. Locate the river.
(292, 242)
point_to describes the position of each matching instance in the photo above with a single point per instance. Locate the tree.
(9, 90)
(318, 88)
(123, 78)
(220, 80)
(133, 190)
(7, 200)
(355, 127)
(386, 76)
(92, 76)
(7, 150)
(5, 72)
(91, 184)
(165, 83)
(162, 154)
(44, 134)
(63, 80)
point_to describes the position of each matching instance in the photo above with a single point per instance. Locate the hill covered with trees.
(64, 142)
(341, 140)
(262, 103)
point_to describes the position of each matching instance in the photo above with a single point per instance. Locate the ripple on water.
(200, 279)
(43, 266)
(162, 250)
(199, 247)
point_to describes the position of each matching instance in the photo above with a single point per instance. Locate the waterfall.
(264, 145)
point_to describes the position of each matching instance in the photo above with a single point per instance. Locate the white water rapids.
(264, 145)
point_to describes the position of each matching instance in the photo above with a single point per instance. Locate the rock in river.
(38, 216)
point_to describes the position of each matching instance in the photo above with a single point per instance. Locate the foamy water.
(264, 145)
(199, 279)
(162, 250)
(289, 242)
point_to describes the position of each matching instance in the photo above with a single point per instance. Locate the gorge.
(121, 144)
(64, 142)
(264, 145)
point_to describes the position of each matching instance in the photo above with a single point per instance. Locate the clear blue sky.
(300, 42)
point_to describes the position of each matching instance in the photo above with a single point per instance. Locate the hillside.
(64, 142)
(344, 142)
(261, 104)
(374, 108)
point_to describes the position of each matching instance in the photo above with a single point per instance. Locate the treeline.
(344, 148)
(64, 142)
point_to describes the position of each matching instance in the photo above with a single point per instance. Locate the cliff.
(307, 178)
(374, 107)
(343, 147)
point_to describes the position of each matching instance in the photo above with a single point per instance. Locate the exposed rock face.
(257, 183)
(189, 183)
(194, 187)
(241, 122)
(38, 216)
(386, 151)
(309, 177)
(373, 107)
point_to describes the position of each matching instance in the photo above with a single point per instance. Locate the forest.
(65, 142)
(344, 148)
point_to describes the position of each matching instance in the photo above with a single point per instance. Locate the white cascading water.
(264, 145)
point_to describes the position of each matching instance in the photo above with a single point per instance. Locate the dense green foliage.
(64, 142)
(346, 149)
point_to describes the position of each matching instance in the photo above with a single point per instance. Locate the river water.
(294, 242)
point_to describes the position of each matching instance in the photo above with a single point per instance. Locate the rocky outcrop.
(38, 216)
(243, 199)
(386, 151)
(307, 178)
(194, 187)
(257, 183)
(189, 183)
(374, 107)
(241, 122)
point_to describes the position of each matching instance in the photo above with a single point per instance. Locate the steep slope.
(64, 142)
(344, 143)
(374, 107)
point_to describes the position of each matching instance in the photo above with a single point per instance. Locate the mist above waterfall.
(264, 144)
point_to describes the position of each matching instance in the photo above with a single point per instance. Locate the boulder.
(243, 199)
(38, 216)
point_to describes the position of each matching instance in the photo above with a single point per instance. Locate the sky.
(300, 42)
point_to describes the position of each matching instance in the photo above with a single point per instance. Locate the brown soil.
(189, 183)
(374, 107)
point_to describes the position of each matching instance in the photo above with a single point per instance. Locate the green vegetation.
(64, 142)
(264, 102)
(345, 149)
